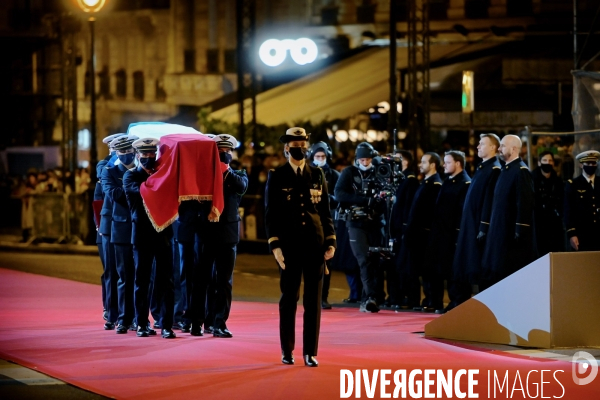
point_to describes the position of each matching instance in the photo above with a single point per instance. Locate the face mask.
(590, 169)
(147, 162)
(363, 168)
(547, 168)
(225, 157)
(126, 159)
(298, 153)
(319, 163)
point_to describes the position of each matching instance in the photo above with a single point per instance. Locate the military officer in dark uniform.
(319, 154)
(475, 221)
(120, 231)
(301, 236)
(399, 218)
(108, 301)
(149, 247)
(418, 227)
(447, 215)
(582, 205)
(364, 222)
(219, 248)
(510, 245)
(549, 196)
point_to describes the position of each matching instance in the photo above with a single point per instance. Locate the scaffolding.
(246, 71)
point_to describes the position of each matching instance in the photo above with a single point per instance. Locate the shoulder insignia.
(467, 182)
(411, 176)
(437, 183)
(241, 172)
(525, 168)
(570, 181)
(272, 170)
(495, 167)
(581, 191)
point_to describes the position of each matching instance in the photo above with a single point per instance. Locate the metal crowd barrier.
(60, 217)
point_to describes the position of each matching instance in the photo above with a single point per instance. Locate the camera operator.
(319, 154)
(360, 208)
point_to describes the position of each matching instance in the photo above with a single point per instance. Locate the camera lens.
(384, 171)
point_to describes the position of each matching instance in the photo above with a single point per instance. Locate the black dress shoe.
(168, 334)
(196, 330)
(133, 327)
(222, 333)
(142, 332)
(310, 361)
(151, 331)
(121, 329)
(105, 315)
(109, 326)
(350, 300)
(208, 329)
(156, 325)
(325, 305)
(185, 328)
(287, 359)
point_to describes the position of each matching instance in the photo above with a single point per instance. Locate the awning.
(341, 90)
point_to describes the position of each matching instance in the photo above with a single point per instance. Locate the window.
(189, 60)
(161, 94)
(121, 78)
(365, 12)
(104, 82)
(476, 8)
(438, 9)
(519, 8)
(212, 61)
(138, 85)
(230, 61)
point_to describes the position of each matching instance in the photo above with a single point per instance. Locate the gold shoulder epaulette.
(494, 167)
(525, 168)
(411, 176)
(437, 183)
(467, 182)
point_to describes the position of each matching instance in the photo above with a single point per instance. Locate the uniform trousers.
(299, 261)
(111, 278)
(360, 241)
(102, 282)
(188, 259)
(218, 261)
(125, 285)
(157, 252)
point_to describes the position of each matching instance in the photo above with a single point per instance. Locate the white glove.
(329, 253)
(279, 257)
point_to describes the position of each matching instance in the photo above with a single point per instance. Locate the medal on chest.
(315, 193)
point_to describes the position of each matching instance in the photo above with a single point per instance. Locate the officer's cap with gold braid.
(110, 138)
(146, 145)
(588, 156)
(226, 141)
(123, 142)
(294, 134)
(210, 135)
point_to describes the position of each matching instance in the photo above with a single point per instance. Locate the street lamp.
(92, 7)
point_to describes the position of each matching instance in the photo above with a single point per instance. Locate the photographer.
(361, 210)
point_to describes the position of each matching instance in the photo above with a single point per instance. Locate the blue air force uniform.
(300, 225)
(510, 244)
(476, 215)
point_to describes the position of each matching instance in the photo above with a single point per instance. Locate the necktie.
(299, 172)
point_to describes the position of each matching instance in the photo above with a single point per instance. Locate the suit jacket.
(512, 214)
(112, 184)
(226, 230)
(142, 231)
(582, 212)
(401, 208)
(294, 219)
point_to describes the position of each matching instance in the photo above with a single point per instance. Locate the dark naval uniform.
(416, 237)
(444, 232)
(111, 276)
(398, 220)
(331, 177)
(301, 226)
(99, 196)
(120, 237)
(582, 212)
(219, 248)
(549, 196)
(510, 244)
(476, 215)
(149, 246)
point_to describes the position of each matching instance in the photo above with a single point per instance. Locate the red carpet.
(55, 326)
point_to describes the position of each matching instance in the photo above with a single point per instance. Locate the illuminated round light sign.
(273, 52)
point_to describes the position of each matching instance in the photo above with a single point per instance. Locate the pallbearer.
(301, 237)
(149, 246)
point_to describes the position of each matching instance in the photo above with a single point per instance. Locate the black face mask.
(546, 168)
(147, 162)
(590, 169)
(225, 157)
(298, 153)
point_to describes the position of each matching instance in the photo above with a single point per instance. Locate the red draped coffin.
(188, 169)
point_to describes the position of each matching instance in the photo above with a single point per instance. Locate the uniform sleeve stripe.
(273, 239)
(522, 224)
(330, 237)
(487, 223)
